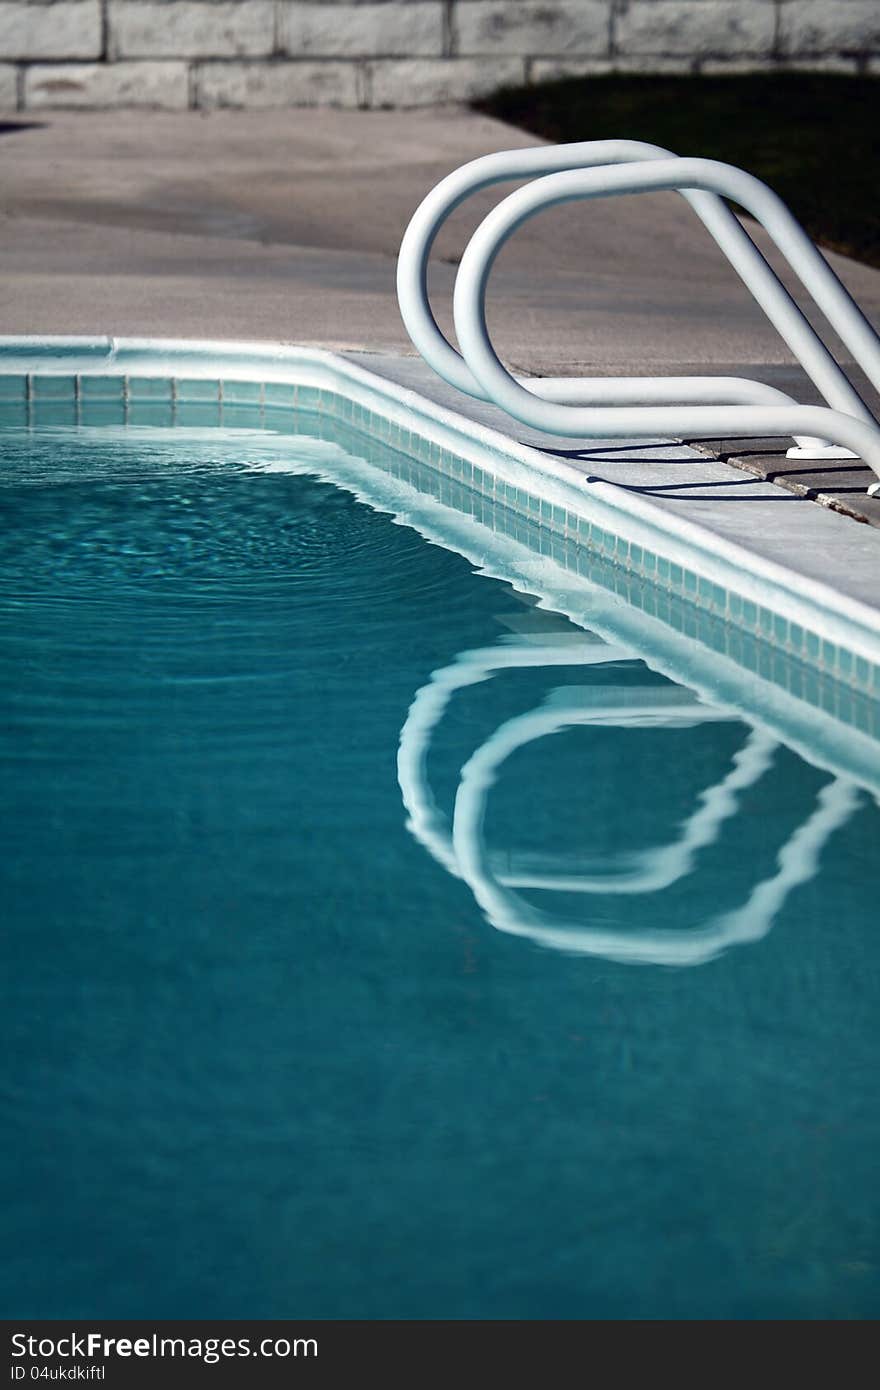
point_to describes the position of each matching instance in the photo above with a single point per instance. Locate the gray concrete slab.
(737, 506)
(839, 484)
(285, 225)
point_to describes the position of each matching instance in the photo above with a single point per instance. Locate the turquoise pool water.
(380, 944)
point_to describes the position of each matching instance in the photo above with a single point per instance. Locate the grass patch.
(813, 137)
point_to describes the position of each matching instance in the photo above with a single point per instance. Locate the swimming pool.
(416, 905)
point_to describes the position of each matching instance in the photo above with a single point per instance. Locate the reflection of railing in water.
(644, 871)
(427, 822)
(640, 407)
(459, 846)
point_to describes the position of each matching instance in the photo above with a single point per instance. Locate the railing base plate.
(821, 451)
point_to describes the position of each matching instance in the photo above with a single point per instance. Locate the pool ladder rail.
(646, 407)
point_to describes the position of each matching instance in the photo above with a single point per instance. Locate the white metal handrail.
(641, 406)
(722, 225)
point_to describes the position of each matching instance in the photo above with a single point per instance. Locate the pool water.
(380, 944)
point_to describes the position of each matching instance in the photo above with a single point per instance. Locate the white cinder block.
(719, 67)
(829, 26)
(432, 81)
(361, 31)
(107, 84)
(190, 29)
(277, 84)
(696, 28)
(548, 70)
(552, 69)
(8, 87)
(653, 66)
(396, 52)
(736, 67)
(570, 28)
(66, 29)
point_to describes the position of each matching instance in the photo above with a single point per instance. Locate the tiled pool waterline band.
(693, 595)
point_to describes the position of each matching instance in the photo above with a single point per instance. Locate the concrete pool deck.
(284, 225)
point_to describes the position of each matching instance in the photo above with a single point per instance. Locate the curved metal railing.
(645, 407)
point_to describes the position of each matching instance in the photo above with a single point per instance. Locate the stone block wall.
(373, 53)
